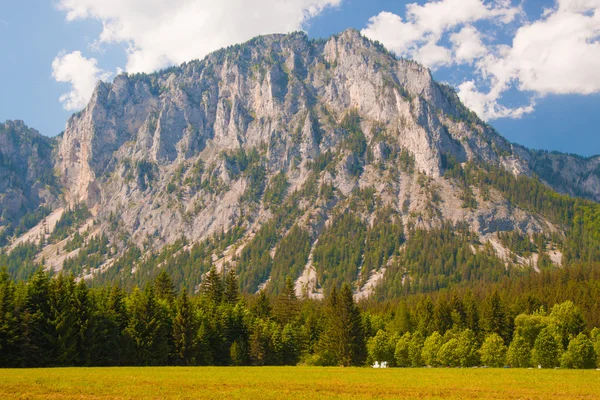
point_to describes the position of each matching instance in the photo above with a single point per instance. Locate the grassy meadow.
(296, 383)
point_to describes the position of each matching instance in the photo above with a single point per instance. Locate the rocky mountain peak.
(285, 137)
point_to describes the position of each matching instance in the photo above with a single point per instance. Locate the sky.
(530, 68)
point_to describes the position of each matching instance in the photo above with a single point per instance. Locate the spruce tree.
(286, 307)
(343, 341)
(212, 286)
(185, 331)
(85, 323)
(37, 331)
(494, 319)
(9, 324)
(164, 288)
(232, 287)
(146, 329)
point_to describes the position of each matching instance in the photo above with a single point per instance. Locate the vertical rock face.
(283, 95)
(26, 178)
(258, 93)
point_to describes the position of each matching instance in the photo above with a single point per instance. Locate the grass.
(296, 383)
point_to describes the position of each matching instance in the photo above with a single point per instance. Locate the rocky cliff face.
(282, 95)
(284, 131)
(26, 177)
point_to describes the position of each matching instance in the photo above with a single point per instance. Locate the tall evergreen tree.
(9, 323)
(232, 287)
(262, 306)
(343, 337)
(212, 286)
(163, 286)
(37, 330)
(146, 329)
(494, 318)
(185, 331)
(286, 306)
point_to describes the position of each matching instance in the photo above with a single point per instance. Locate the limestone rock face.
(196, 150)
(26, 178)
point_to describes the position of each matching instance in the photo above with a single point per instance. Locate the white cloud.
(82, 73)
(486, 105)
(161, 32)
(467, 45)
(557, 54)
(433, 55)
(425, 25)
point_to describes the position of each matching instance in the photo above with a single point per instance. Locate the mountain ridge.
(277, 139)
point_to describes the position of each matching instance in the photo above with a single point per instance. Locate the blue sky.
(529, 68)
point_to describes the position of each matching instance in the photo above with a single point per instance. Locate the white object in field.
(383, 364)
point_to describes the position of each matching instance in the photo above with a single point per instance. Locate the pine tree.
(471, 312)
(343, 339)
(425, 317)
(185, 331)
(64, 320)
(9, 324)
(290, 351)
(164, 288)
(232, 287)
(442, 316)
(37, 331)
(85, 323)
(146, 329)
(286, 307)
(494, 319)
(262, 307)
(212, 286)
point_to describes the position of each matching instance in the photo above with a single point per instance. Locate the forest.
(549, 320)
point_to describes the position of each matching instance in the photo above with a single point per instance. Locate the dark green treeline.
(57, 321)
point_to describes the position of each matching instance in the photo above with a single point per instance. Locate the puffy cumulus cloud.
(425, 24)
(557, 54)
(487, 105)
(467, 45)
(82, 73)
(433, 55)
(163, 32)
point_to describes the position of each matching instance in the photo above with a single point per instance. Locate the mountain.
(321, 160)
(26, 178)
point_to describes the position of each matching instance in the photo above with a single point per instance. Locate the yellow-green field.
(296, 383)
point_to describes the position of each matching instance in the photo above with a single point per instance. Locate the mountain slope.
(324, 161)
(26, 178)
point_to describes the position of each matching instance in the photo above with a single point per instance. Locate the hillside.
(325, 161)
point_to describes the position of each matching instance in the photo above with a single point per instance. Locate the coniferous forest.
(548, 319)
